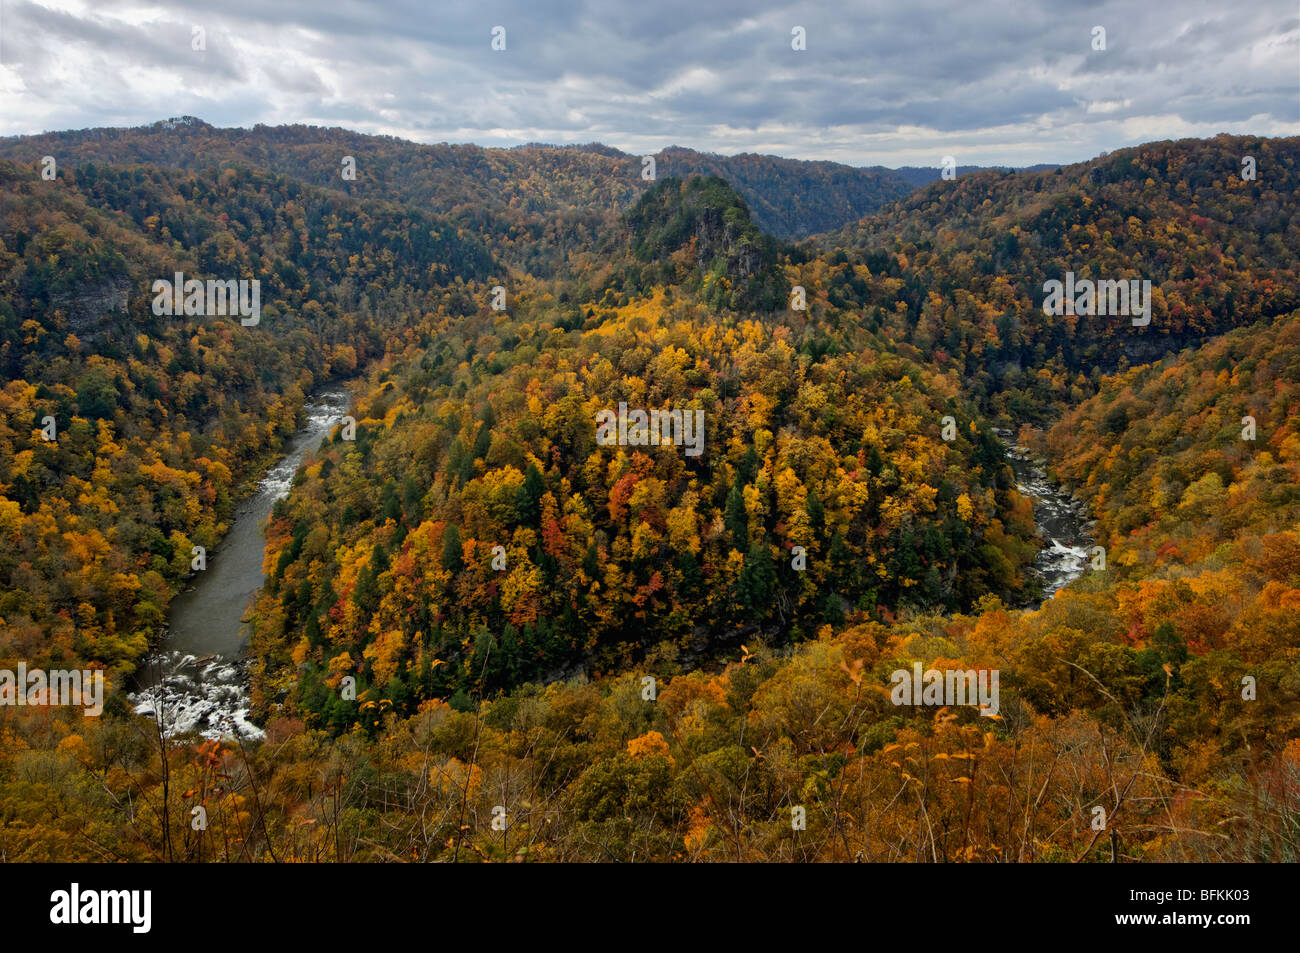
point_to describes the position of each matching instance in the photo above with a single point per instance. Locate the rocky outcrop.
(87, 311)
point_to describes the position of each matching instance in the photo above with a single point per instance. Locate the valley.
(194, 681)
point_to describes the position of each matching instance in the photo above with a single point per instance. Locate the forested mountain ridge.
(968, 259)
(917, 176)
(790, 198)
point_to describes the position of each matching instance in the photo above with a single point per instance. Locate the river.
(198, 674)
(1062, 518)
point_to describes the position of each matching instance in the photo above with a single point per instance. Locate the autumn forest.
(489, 631)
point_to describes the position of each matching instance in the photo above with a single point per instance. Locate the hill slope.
(957, 269)
(790, 198)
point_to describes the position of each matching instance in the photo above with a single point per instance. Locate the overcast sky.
(896, 82)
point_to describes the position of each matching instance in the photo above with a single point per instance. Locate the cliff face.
(86, 312)
(719, 236)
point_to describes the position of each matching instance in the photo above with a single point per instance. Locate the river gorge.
(196, 680)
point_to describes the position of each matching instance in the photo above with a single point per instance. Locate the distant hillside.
(1160, 456)
(531, 204)
(793, 198)
(789, 198)
(957, 268)
(917, 176)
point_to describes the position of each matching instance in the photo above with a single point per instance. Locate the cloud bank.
(900, 83)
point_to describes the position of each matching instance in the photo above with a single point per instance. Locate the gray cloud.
(903, 83)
